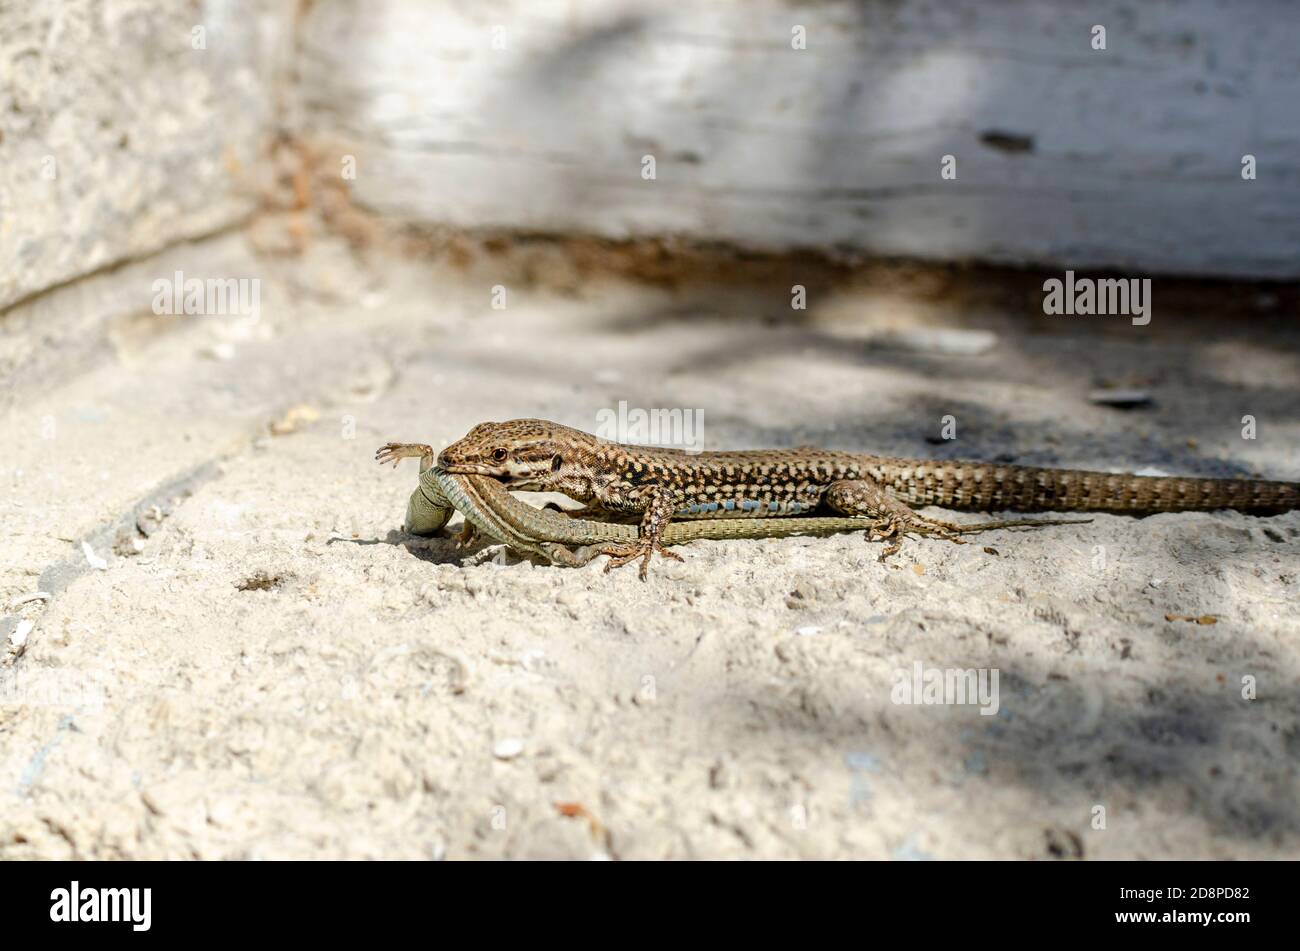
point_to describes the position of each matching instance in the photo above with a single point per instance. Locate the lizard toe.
(642, 549)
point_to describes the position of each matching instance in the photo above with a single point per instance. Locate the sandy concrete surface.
(241, 656)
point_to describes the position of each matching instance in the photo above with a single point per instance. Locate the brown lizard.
(662, 484)
(491, 510)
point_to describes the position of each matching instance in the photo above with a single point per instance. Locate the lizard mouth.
(502, 473)
(470, 468)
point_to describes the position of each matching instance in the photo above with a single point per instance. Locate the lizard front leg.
(659, 509)
(894, 519)
(395, 452)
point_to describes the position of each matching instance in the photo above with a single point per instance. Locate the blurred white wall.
(537, 115)
(121, 134)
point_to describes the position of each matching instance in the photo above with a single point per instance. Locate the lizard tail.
(990, 488)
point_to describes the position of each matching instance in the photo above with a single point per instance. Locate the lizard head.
(529, 454)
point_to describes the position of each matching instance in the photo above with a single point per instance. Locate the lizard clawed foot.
(643, 548)
(879, 533)
(892, 519)
(930, 526)
(897, 526)
(467, 535)
(395, 452)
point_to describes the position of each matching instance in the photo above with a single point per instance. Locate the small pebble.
(95, 562)
(19, 637)
(508, 748)
(26, 598)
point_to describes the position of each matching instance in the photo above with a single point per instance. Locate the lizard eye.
(499, 455)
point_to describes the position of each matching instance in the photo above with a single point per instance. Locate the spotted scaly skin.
(661, 484)
(490, 509)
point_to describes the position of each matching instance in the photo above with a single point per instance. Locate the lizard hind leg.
(658, 511)
(894, 519)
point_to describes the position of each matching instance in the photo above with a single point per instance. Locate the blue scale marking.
(790, 507)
